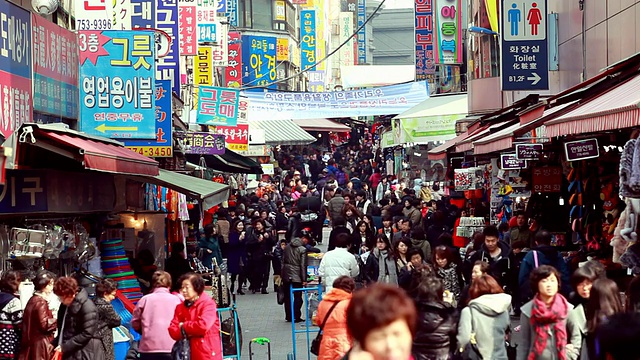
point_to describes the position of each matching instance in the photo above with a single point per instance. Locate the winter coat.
(10, 325)
(80, 339)
(527, 336)
(580, 322)
(38, 328)
(357, 241)
(211, 243)
(490, 316)
(378, 265)
(437, 328)
(547, 255)
(236, 253)
(151, 317)
(501, 269)
(412, 214)
(107, 320)
(424, 246)
(335, 340)
(451, 278)
(336, 263)
(258, 250)
(223, 226)
(381, 190)
(294, 262)
(334, 207)
(201, 324)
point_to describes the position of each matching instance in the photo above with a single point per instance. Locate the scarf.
(543, 319)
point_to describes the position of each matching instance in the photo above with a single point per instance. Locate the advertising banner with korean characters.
(259, 61)
(282, 49)
(308, 38)
(218, 106)
(425, 65)
(55, 69)
(117, 83)
(121, 15)
(220, 52)
(168, 67)
(188, 27)
(202, 143)
(15, 67)
(208, 27)
(143, 14)
(448, 30)
(236, 138)
(232, 12)
(316, 81)
(362, 33)
(384, 100)
(162, 145)
(203, 72)
(93, 14)
(347, 57)
(280, 10)
(233, 71)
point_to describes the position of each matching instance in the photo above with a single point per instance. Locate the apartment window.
(262, 14)
(244, 14)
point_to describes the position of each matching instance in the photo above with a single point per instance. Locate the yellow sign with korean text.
(280, 13)
(282, 50)
(202, 64)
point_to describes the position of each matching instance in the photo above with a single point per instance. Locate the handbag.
(181, 350)
(470, 351)
(315, 344)
(280, 297)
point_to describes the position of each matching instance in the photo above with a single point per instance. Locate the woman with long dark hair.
(351, 216)
(259, 245)
(237, 255)
(362, 239)
(604, 301)
(380, 265)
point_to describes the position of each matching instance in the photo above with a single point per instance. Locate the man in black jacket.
(498, 255)
(294, 275)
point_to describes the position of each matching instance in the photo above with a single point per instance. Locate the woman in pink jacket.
(198, 317)
(335, 340)
(152, 316)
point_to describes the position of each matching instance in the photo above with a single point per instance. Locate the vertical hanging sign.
(425, 66)
(362, 32)
(308, 38)
(259, 61)
(220, 52)
(448, 30)
(347, 57)
(218, 106)
(93, 14)
(187, 15)
(233, 71)
(143, 14)
(168, 67)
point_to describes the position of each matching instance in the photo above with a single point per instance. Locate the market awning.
(93, 152)
(209, 192)
(440, 152)
(438, 105)
(283, 132)
(230, 162)
(325, 125)
(617, 108)
(467, 143)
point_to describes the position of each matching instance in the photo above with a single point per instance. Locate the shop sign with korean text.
(307, 38)
(202, 143)
(581, 149)
(362, 32)
(282, 49)
(383, 100)
(168, 66)
(220, 52)
(218, 106)
(187, 17)
(55, 69)
(208, 27)
(236, 138)
(280, 10)
(511, 162)
(15, 67)
(143, 14)
(316, 81)
(346, 25)
(162, 145)
(93, 14)
(425, 65)
(232, 12)
(525, 63)
(529, 151)
(259, 61)
(203, 71)
(233, 71)
(448, 29)
(547, 179)
(122, 13)
(117, 84)
(243, 110)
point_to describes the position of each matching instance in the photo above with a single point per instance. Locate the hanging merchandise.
(115, 265)
(630, 170)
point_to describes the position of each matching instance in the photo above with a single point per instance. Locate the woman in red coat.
(198, 317)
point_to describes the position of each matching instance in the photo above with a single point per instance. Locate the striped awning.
(283, 132)
(618, 108)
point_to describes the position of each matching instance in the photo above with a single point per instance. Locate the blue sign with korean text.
(162, 145)
(232, 12)
(117, 83)
(307, 39)
(143, 14)
(218, 106)
(259, 61)
(425, 65)
(208, 32)
(15, 67)
(362, 33)
(221, 7)
(525, 62)
(168, 66)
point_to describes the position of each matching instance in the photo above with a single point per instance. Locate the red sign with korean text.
(547, 179)
(233, 71)
(236, 137)
(188, 36)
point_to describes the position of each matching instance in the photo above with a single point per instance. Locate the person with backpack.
(543, 254)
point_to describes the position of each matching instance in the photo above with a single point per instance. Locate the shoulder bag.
(182, 348)
(315, 344)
